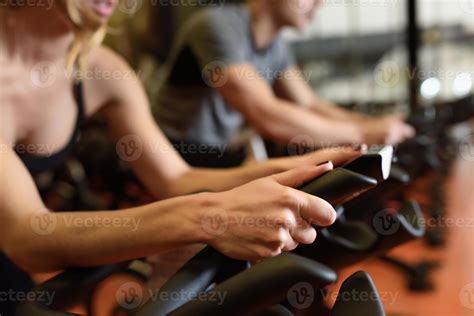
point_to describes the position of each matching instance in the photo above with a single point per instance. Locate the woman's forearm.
(49, 241)
(217, 180)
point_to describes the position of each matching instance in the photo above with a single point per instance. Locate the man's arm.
(293, 86)
(280, 119)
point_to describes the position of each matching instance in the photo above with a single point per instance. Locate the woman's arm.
(141, 143)
(38, 240)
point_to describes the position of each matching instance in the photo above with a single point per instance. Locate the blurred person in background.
(229, 66)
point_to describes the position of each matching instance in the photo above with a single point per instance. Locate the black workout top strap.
(36, 163)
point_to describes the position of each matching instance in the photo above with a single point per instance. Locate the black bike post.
(413, 44)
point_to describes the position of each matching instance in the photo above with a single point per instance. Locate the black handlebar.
(339, 186)
(259, 288)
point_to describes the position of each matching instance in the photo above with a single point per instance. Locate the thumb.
(297, 177)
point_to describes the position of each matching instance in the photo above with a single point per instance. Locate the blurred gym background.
(371, 55)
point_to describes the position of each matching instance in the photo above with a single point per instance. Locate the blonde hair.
(89, 33)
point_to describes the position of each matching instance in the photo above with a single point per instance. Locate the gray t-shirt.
(189, 108)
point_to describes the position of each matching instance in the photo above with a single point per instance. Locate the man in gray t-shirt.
(229, 65)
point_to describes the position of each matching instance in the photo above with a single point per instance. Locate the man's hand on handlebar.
(389, 130)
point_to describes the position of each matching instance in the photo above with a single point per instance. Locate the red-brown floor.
(454, 280)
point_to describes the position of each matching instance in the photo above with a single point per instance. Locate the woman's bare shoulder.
(107, 77)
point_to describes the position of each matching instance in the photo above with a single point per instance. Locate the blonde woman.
(54, 75)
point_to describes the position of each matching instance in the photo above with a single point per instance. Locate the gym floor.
(454, 279)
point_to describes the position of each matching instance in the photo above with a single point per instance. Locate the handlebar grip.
(339, 186)
(359, 282)
(264, 285)
(194, 277)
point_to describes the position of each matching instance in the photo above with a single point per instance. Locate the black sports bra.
(36, 163)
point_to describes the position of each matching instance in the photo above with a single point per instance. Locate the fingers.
(315, 210)
(289, 242)
(297, 177)
(312, 209)
(303, 233)
(338, 155)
